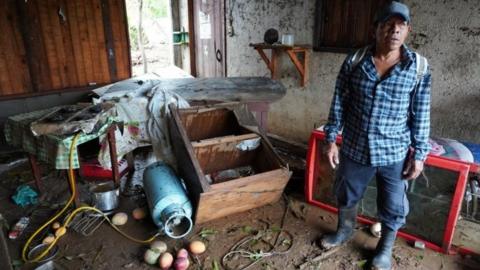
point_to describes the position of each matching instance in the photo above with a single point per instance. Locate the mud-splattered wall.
(446, 32)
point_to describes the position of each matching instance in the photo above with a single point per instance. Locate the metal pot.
(105, 196)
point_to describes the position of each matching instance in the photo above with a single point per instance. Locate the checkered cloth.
(381, 118)
(51, 149)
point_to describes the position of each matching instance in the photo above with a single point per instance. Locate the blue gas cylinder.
(167, 199)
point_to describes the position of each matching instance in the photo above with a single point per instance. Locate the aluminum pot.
(105, 196)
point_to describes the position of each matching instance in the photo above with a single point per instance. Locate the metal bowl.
(105, 196)
(35, 251)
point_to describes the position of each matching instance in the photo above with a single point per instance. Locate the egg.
(119, 219)
(182, 253)
(151, 256)
(197, 247)
(139, 213)
(376, 229)
(49, 239)
(158, 245)
(181, 263)
(60, 231)
(165, 261)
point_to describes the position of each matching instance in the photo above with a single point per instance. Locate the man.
(383, 107)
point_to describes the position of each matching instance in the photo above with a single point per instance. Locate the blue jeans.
(352, 179)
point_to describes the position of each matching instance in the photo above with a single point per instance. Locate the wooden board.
(225, 139)
(55, 45)
(209, 124)
(234, 89)
(224, 155)
(241, 194)
(189, 169)
(14, 73)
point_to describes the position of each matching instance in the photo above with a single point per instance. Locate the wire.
(69, 202)
(71, 177)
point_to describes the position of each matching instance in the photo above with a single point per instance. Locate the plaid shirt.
(379, 123)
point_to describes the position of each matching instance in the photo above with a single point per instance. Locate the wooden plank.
(109, 42)
(265, 59)
(84, 41)
(17, 28)
(117, 38)
(15, 55)
(77, 52)
(218, 157)
(92, 41)
(191, 39)
(102, 48)
(35, 48)
(49, 43)
(296, 47)
(210, 124)
(225, 139)
(237, 89)
(184, 153)
(296, 62)
(124, 40)
(53, 8)
(6, 85)
(241, 194)
(12, 65)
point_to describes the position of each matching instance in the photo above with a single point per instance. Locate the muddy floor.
(278, 236)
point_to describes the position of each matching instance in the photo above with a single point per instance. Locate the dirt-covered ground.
(278, 236)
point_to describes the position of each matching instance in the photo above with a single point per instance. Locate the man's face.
(392, 33)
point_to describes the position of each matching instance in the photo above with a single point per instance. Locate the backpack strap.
(358, 56)
(422, 67)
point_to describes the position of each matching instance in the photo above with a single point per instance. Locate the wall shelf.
(292, 52)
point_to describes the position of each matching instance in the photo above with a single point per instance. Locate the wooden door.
(209, 24)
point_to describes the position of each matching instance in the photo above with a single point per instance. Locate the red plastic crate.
(91, 169)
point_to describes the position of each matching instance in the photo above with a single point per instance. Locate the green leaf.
(361, 263)
(256, 256)
(206, 232)
(247, 229)
(215, 265)
(275, 228)
(286, 242)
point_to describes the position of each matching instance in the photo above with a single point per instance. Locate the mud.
(300, 224)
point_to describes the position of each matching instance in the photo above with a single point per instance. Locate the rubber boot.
(383, 252)
(345, 228)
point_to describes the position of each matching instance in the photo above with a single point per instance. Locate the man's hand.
(413, 168)
(331, 150)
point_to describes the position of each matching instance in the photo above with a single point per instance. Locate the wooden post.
(273, 64)
(306, 59)
(113, 153)
(35, 171)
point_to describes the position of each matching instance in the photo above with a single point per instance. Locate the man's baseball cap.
(393, 8)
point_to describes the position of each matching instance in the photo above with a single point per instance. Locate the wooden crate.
(205, 141)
